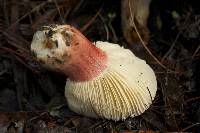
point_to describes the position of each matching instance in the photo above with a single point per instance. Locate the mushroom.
(104, 79)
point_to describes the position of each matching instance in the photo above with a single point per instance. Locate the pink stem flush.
(86, 60)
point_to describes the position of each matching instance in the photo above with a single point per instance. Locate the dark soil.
(32, 98)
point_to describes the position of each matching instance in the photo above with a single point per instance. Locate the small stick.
(172, 46)
(105, 26)
(142, 42)
(90, 21)
(196, 51)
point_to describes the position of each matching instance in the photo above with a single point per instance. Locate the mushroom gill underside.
(108, 96)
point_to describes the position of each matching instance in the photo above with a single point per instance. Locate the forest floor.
(32, 98)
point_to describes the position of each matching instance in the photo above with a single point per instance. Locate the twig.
(192, 99)
(190, 127)
(197, 55)
(20, 53)
(16, 41)
(14, 15)
(105, 26)
(21, 61)
(142, 42)
(196, 51)
(6, 16)
(58, 9)
(168, 72)
(90, 21)
(36, 117)
(167, 99)
(172, 46)
(77, 7)
(67, 13)
(33, 10)
(16, 55)
(70, 120)
(113, 31)
(2, 72)
(156, 111)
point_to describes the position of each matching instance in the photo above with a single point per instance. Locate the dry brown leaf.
(139, 9)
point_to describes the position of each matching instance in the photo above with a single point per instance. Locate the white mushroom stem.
(67, 50)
